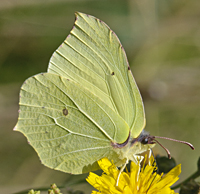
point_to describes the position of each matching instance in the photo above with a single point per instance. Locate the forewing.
(139, 120)
(93, 56)
(69, 127)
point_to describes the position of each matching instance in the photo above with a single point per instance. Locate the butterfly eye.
(145, 141)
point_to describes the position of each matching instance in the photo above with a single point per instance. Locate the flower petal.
(171, 177)
(135, 182)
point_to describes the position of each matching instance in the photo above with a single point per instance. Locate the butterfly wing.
(93, 56)
(87, 100)
(68, 126)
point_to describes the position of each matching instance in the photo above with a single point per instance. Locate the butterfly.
(87, 105)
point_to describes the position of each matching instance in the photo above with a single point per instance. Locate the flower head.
(138, 181)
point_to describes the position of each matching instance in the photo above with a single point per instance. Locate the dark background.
(162, 42)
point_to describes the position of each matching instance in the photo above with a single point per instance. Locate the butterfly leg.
(150, 152)
(121, 170)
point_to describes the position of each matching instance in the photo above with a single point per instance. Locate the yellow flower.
(138, 181)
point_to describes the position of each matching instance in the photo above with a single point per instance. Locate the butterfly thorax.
(132, 148)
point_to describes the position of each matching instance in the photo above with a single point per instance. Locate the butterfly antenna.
(184, 142)
(168, 153)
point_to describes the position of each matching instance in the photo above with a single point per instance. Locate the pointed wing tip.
(79, 14)
(76, 15)
(15, 128)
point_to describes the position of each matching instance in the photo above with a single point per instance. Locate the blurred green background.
(162, 42)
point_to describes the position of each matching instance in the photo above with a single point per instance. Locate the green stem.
(193, 176)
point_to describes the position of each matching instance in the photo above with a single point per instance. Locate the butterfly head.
(142, 143)
(147, 139)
